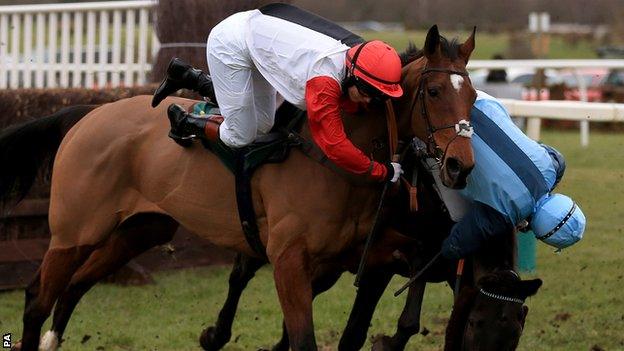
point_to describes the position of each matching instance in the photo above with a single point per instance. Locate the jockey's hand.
(449, 250)
(394, 171)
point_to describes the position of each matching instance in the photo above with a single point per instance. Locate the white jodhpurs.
(246, 99)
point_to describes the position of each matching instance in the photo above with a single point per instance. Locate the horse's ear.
(468, 46)
(432, 41)
(528, 288)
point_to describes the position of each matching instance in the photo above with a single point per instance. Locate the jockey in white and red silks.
(313, 63)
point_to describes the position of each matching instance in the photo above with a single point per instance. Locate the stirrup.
(184, 141)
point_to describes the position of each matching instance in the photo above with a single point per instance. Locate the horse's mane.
(459, 317)
(450, 49)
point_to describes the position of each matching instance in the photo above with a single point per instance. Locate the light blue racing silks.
(512, 172)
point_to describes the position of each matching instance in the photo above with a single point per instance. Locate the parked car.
(593, 80)
(612, 89)
(521, 76)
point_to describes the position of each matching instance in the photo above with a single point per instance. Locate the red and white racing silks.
(254, 54)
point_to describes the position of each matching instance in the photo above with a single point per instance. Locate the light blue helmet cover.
(558, 221)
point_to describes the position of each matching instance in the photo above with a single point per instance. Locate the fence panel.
(90, 45)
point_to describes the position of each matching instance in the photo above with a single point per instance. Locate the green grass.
(585, 281)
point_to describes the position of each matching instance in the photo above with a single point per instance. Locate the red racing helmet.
(378, 64)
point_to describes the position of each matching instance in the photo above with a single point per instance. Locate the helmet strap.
(561, 224)
(355, 57)
(351, 78)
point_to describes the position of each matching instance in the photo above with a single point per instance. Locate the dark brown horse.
(120, 186)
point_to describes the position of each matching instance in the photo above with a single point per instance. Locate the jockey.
(313, 63)
(510, 186)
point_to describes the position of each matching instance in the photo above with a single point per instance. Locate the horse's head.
(492, 315)
(438, 100)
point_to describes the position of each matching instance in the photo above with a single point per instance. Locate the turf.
(579, 307)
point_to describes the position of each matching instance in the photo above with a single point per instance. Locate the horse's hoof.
(211, 341)
(17, 346)
(382, 343)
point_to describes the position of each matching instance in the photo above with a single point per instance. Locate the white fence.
(76, 45)
(563, 110)
(557, 109)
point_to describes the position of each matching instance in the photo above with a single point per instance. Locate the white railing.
(534, 124)
(562, 110)
(535, 64)
(88, 45)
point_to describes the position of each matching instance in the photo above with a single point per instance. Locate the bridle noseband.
(462, 129)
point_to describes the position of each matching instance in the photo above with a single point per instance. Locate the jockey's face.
(356, 96)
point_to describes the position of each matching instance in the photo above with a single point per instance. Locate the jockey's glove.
(394, 171)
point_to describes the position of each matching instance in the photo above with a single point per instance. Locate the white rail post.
(52, 37)
(15, 50)
(103, 52)
(90, 59)
(78, 29)
(533, 128)
(4, 49)
(115, 79)
(28, 57)
(40, 53)
(129, 54)
(65, 26)
(584, 125)
(142, 60)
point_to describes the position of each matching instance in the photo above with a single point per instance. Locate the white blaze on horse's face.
(457, 81)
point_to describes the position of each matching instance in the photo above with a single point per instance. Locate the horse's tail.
(29, 148)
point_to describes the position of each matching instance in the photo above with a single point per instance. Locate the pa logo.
(6, 341)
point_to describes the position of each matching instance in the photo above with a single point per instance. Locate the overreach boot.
(181, 75)
(186, 126)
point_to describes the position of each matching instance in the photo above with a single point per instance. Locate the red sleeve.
(323, 101)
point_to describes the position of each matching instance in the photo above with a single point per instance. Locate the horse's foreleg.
(244, 269)
(372, 286)
(409, 322)
(55, 272)
(133, 237)
(293, 282)
(319, 286)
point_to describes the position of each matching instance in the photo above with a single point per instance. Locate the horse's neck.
(365, 129)
(410, 79)
(498, 254)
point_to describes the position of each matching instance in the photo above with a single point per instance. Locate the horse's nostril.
(453, 166)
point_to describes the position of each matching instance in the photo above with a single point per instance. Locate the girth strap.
(246, 213)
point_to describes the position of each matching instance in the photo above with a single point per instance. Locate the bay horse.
(120, 186)
(423, 233)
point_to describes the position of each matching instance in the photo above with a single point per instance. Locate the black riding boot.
(186, 126)
(181, 75)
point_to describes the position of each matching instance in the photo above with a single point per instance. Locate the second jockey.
(313, 63)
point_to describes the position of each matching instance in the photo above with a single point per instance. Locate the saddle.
(273, 147)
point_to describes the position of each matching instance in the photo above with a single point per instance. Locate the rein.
(462, 129)
(393, 143)
(501, 297)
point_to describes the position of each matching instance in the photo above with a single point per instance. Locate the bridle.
(462, 129)
(499, 297)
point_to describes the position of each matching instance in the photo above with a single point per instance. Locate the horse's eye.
(433, 92)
